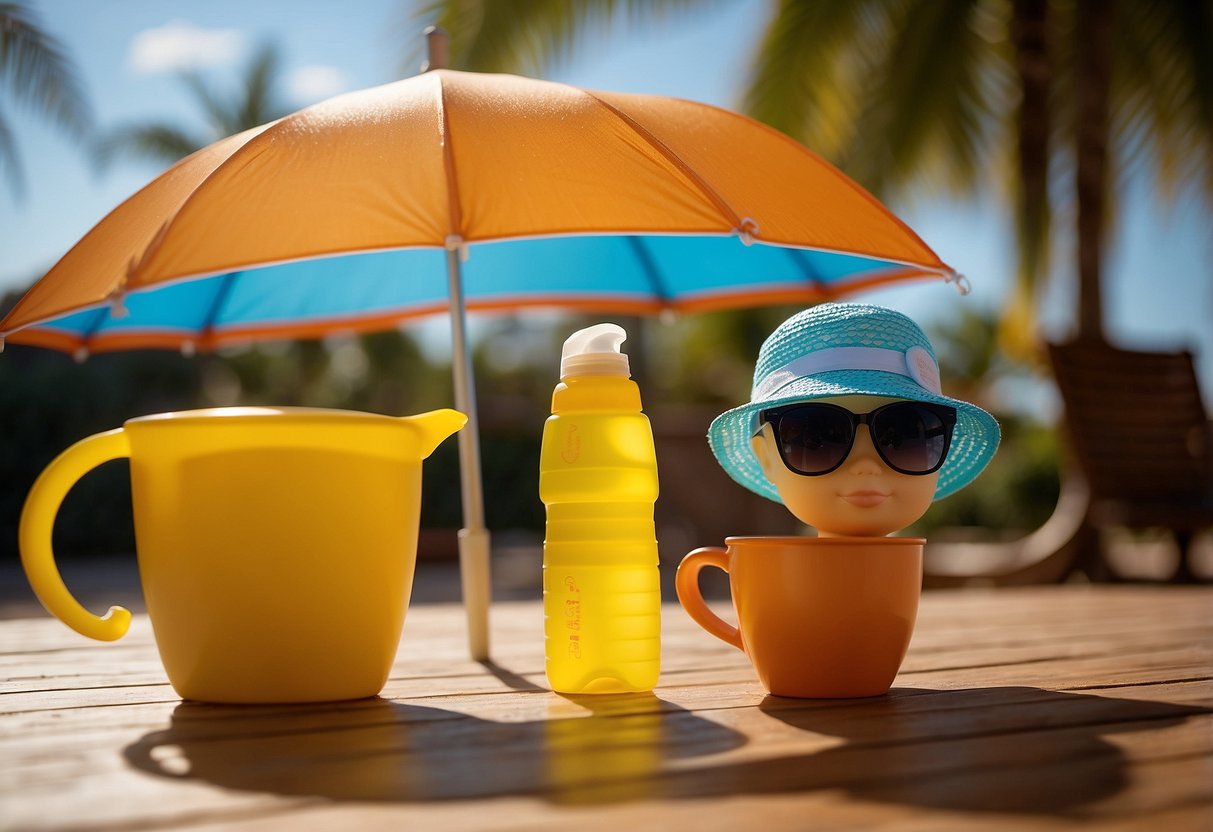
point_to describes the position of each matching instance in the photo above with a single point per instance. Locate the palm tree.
(39, 73)
(254, 104)
(1056, 96)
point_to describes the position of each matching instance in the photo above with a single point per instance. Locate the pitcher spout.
(435, 426)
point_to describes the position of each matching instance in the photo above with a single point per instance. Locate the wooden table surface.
(1044, 708)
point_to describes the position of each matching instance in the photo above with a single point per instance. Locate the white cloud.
(316, 82)
(181, 45)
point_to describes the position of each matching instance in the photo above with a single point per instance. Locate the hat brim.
(974, 439)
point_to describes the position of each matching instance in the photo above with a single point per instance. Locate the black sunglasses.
(815, 438)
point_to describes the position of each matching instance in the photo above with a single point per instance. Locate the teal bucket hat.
(847, 349)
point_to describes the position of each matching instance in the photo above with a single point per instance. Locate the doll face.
(863, 497)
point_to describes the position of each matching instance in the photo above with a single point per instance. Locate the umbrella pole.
(473, 537)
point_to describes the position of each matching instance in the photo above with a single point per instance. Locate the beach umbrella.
(453, 191)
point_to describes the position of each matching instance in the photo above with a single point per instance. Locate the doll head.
(847, 425)
(854, 465)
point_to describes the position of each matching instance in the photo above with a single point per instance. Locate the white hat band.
(915, 363)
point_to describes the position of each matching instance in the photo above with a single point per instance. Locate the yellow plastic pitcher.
(276, 546)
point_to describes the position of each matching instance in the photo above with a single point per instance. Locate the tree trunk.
(1030, 33)
(1093, 80)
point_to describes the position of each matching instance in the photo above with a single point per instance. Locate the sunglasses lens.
(912, 438)
(815, 439)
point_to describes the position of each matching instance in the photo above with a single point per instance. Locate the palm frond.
(932, 111)
(260, 104)
(253, 106)
(10, 160)
(1163, 91)
(527, 36)
(805, 79)
(38, 71)
(509, 36)
(155, 142)
(215, 109)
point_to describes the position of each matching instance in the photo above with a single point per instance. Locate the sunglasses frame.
(946, 414)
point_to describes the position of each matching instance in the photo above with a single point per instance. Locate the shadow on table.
(1015, 750)
(378, 750)
(1009, 750)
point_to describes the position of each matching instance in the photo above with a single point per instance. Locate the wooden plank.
(402, 753)
(1034, 709)
(1082, 777)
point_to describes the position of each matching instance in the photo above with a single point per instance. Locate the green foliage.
(1014, 495)
(1018, 490)
(958, 94)
(709, 358)
(521, 35)
(510, 473)
(1163, 89)
(48, 402)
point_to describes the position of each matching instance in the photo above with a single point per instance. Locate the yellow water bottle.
(598, 479)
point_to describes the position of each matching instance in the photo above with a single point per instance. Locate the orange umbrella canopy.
(356, 213)
(445, 160)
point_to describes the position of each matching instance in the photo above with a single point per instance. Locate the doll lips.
(865, 499)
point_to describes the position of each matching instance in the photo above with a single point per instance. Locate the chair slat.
(1137, 424)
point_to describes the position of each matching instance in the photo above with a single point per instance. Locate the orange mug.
(819, 617)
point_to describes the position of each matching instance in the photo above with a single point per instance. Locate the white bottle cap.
(594, 351)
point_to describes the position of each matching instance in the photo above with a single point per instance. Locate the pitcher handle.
(37, 525)
(686, 583)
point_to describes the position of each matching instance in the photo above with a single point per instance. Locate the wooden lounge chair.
(1140, 435)
(1142, 457)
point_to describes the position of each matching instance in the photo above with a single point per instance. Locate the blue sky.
(1159, 265)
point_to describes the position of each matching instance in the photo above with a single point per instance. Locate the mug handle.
(38, 523)
(686, 583)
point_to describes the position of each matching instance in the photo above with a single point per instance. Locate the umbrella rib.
(649, 266)
(805, 264)
(99, 317)
(673, 158)
(137, 269)
(226, 285)
(454, 214)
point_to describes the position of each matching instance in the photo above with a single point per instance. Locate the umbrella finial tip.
(963, 286)
(747, 230)
(118, 309)
(437, 51)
